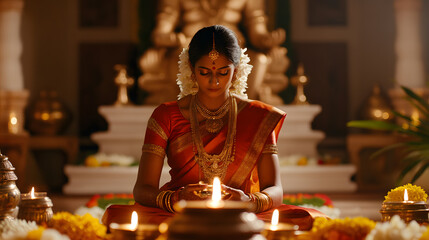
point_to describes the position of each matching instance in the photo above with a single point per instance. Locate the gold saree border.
(155, 149)
(267, 126)
(154, 126)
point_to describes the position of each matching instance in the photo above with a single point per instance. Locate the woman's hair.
(225, 42)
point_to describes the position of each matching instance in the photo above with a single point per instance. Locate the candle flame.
(134, 220)
(32, 193)
(216, 195)
(275, 218)
(405, 195)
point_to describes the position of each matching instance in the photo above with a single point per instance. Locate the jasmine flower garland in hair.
(184, 79)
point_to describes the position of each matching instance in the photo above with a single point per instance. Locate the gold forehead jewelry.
(213, 54)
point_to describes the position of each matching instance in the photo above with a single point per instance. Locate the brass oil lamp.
(35, 206)
(215, 219)
(406, 210)
(9, 192)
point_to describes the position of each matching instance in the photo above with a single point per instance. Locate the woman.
(213, 130)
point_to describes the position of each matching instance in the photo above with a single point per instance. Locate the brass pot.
(48, 115)
(9, 192)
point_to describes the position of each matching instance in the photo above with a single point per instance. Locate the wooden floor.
(350, 204)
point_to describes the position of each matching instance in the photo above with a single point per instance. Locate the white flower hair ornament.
(239, 84)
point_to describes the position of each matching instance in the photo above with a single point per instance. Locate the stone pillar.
(409, 69)
(13, 96)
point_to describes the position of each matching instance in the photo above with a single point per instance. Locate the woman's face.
(214, 77)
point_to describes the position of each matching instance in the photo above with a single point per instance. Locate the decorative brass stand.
(123, 82)
(9, 192)
(299, 81)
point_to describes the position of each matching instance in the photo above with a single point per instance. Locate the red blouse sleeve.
(157, 131)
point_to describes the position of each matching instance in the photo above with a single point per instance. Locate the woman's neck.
(212, 103)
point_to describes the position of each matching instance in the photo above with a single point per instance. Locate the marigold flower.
(347, 228)
(415, 193)
(77, 227)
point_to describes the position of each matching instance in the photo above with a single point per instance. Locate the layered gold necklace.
(214, 122)
(214, 165)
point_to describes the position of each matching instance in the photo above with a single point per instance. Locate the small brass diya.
(406, 210)
(214, 220)
(280, 231)
(141, 232)
(9, 192)
(36, 207)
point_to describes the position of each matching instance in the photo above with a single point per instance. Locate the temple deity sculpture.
(179, 20)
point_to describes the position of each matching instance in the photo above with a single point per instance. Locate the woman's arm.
(269, 181)
(269, 177)
(147, 185)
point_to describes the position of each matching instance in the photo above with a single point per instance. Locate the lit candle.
(13, 126)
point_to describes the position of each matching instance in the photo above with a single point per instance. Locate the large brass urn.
(9, 192)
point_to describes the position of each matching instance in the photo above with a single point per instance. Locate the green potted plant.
(416, 148)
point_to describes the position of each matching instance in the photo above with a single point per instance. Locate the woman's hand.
(235, 194)
(194, 192)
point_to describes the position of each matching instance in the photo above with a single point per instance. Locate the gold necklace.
(214, 165)
(214, 122)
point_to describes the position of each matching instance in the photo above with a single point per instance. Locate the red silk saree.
(169, 133)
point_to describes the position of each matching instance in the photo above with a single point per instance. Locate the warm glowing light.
(45, 116)
(134, 220)
(32, 193)
(216, 201)
(216, 195)
(275, 220)
(415, 118)
(13, 120)
(13, 123)
(406, 195)
(386, 115)
(378, 113)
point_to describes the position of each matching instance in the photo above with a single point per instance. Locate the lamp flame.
(216, 195)
(32, 193)
(216, 201)
(406, 195)
(134, 220)
(275, 218)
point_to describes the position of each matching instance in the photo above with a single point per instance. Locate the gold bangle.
(163, 200)
(263, 202)
(270, 200)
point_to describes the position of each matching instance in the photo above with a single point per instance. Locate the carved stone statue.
(179, 20)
